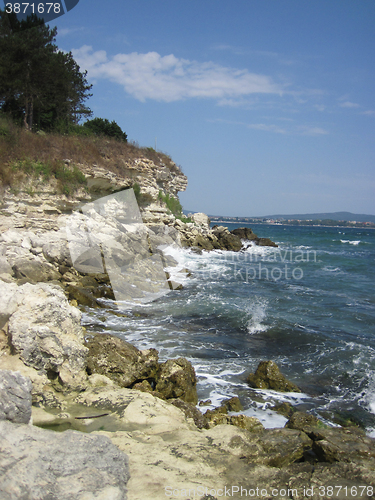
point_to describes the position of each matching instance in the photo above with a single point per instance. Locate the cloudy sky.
(268, 106)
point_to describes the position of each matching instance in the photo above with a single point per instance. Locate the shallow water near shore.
(308, 305)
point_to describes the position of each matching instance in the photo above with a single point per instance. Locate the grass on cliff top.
(25, 153)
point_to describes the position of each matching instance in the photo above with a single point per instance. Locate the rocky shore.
(132, 427)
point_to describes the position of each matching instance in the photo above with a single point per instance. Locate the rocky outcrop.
(245, 233)
(15, 397)
(38, 465)
(36, 204)
(268, 376)
(127, 366)
(45, 331)
(120, 361)
(177, 379)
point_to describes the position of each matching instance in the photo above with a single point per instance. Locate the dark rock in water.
(83, 296)
(303, 421)
(285, 409)
(202, 242)
(177, 379)
(38, 465)
(15, 397)
(251, 424)
(226, 240)
(245, 233)
(120, 361)
(191, 411)
(266, 242)
(232, 404)
(268, 376)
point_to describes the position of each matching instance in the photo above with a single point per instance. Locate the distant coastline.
(292, 222)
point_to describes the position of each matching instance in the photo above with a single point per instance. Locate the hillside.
(45, 175)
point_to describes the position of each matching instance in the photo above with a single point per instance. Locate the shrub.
(100, 126)
(173, 204)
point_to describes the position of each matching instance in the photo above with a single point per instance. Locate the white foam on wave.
(257, 312)
(331, 269)
(269, 418)
(351, 242)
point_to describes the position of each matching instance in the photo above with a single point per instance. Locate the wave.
(256, 311)
(351, 242)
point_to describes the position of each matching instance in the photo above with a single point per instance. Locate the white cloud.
(349, 104)
(313, 131)
(168, 78)
(267, 128)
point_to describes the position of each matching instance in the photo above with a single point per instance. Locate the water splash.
(256, 311)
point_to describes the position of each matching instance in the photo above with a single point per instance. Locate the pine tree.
(38, 83)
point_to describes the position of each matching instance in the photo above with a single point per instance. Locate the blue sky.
(268, 106)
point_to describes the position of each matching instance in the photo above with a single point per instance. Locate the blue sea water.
(308, 305)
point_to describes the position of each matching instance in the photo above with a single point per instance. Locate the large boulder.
(268, 376)
(245, 233)
(120, 361)
(33, 269)
(15, 397)
(227, 240)
(177, 379)
(202, 220)
(41, 465)
(45, 331)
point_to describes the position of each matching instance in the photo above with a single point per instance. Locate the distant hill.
(347, 216)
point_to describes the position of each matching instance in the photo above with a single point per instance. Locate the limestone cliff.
(32, 201)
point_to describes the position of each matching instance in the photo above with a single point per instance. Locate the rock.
(285, 409)
(227, 240)
(303, 421)
(268, 376)
(343, 445)
(120, 361)
(135, 410)
(15, 397)
(232, 404)
(266, 242)
(201, 220)
(219, 416)
(245, 233)
(177, 379)
(38, 465)
(5, 267)
(82, 296)
(191, 411)
(35, 270)
(46, 333)
(251, 424)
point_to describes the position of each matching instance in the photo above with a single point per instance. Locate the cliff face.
(32, 202)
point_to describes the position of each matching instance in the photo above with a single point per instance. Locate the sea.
(308, 305)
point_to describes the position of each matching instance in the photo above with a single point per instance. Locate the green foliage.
(4, 127)
(173, 204)
(39, 85)
(102, 126)
(137, 190)
(69, 178)
(143, 199)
